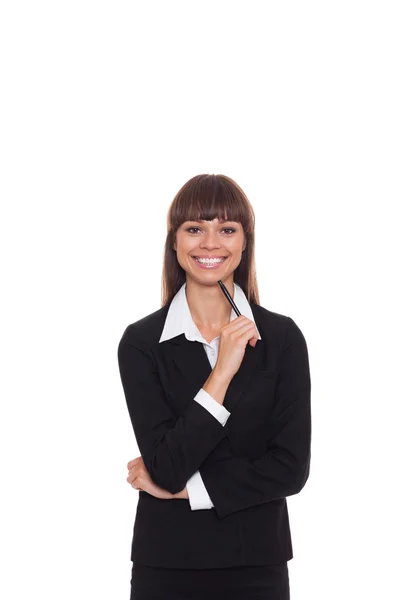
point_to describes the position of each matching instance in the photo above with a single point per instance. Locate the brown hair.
(207, 197)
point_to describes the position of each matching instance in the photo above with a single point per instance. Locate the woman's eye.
(231, 229)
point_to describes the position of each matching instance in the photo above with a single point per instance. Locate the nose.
(211, 240)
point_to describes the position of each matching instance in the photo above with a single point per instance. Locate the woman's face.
(209, 239)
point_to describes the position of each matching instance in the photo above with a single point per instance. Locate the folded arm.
(172, 449)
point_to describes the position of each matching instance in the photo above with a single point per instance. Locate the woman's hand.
(234, 337)
(140, 479)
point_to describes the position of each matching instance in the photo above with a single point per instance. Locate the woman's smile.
(205, 263)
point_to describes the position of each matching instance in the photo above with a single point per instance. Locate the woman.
(220, 408)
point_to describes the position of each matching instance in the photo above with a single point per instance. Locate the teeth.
(209, 261)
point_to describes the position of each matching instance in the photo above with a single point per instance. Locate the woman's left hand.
(140, 479)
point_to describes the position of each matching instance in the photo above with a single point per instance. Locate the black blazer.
(249, 466)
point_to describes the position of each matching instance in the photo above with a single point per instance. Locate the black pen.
(229, 298)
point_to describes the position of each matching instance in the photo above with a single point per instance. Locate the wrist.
(218, 375)
(180, 495)
(217, 384)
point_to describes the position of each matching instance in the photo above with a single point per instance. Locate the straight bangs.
(207, 197)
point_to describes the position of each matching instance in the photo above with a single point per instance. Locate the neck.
(208, 305)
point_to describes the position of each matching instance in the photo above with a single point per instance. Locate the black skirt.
(269, 582)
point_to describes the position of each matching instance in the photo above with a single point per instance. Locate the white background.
(107, 108)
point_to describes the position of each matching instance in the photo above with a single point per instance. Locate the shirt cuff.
(197, 494)
(217, 410)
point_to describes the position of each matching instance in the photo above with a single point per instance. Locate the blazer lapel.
(192, 360)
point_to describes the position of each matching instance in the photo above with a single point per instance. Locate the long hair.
(206, 197)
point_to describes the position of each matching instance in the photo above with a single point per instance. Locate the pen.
(229, 298)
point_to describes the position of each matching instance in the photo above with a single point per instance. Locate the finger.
(133, 462)
(134, 472)
(249, 336)
(138, 470)
(133, 479)
(236, 323)
(246, 332)
(240, 323)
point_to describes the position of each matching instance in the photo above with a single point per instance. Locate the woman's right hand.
(140, 480)
(232, 345)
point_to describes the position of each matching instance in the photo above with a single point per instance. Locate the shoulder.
(276, 325)
(147, 330)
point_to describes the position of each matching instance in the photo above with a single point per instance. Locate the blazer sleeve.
(172, 448)
(238, 483)
(197, 494)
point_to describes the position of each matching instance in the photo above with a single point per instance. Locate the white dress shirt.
(178, 321)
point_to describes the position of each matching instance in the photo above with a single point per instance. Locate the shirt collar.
(179, 319)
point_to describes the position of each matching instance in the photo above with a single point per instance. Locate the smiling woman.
(210, 217)
(220, 408)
